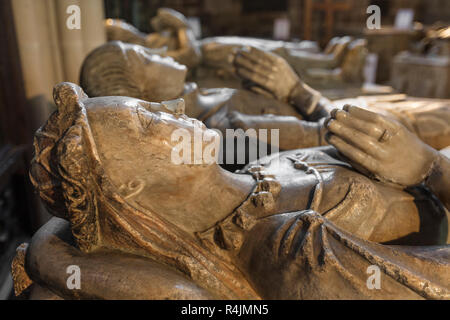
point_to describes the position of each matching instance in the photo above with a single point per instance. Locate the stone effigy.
(386, 43)
(428, 119)
(275, 97)
(172, 34)
(425, 72)
(340, 65)
(349, 73)
(209, 60)
(118, 68)
(299, 225)
(216, 68)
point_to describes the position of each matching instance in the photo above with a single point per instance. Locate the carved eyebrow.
(145, 121)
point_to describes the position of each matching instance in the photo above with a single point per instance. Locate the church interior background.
(409, 54)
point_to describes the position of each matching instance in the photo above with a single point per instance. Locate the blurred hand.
(268, 71)
(168, 19)
(381, 145)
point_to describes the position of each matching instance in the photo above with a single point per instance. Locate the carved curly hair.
(60, 170)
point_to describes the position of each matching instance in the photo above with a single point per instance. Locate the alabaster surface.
(303, 224)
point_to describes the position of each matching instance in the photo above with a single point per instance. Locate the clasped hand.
(381, 145)
(269, 73)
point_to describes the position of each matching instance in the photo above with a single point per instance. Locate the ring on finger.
(385, 136)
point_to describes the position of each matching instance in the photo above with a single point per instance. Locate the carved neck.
(143, 233)
(199, 202)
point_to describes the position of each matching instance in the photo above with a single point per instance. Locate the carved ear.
(67, 97)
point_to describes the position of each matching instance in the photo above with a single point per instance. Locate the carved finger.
(382, 122)
(350, 121)
(256, 59)
(361, 113)
(255, 77)
(262, 91)
(265, 55)
(387, 123)
(241, 61)
(356, 138)
(353, 153)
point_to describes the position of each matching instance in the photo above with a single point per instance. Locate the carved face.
(134, 143)
(159, 78)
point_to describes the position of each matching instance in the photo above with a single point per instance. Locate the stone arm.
(301, 61)
(103, 274)
(439, 179)
(310, 103)
(293, 132)
(272, 76)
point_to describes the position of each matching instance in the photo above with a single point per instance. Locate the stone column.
(92, 24)
(50, 52)
(54, 41)
(295, 17)
(31, 20)
(71, 41)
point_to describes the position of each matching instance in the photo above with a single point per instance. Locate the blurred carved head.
(119, 30)
(167, 18)
(123, 69)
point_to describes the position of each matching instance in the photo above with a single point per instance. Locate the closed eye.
(145, 117)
